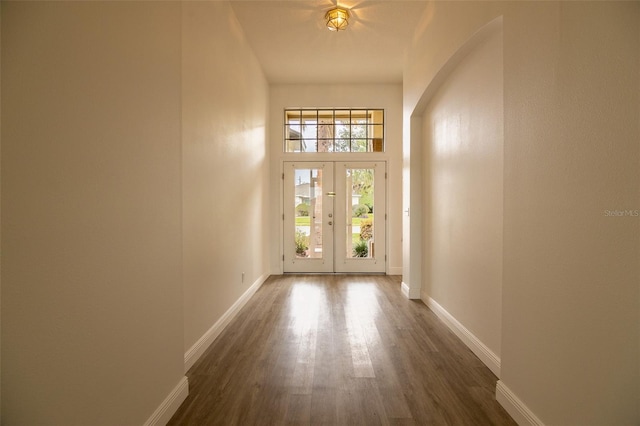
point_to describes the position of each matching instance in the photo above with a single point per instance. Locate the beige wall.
(572, 151)
(462, 187)
(225, 165)
(387, 96)
(437, 46)
(91, 207)
(135, 145)
(569, 348)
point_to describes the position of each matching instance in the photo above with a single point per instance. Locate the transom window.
(333, 130)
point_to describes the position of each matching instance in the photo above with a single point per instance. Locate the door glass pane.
(292, 132)
(360, 213)
(325, 131)
(359, 135)
(342, 131)
(309, 132)
(308, 213)
(376, 116)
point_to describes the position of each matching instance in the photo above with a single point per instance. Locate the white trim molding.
(405, 289)
(486, 355)
(515, 407)
(196, 351)
(409, 293)
(170, 405)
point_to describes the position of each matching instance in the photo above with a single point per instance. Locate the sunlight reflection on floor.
(360, 311)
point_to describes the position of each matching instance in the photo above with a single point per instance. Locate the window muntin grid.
(333, 130)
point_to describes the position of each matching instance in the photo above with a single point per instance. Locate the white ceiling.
(294, 46)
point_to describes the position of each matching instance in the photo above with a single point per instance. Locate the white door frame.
(336, 202)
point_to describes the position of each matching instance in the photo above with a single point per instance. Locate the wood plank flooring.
(338, 350)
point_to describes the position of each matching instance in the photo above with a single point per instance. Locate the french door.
(334, 217)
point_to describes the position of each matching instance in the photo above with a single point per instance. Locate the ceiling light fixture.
(337, 19)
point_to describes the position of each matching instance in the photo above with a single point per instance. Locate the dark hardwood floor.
(338, 350)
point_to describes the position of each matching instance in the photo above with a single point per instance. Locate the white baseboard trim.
(404, 287)
(515, 407)
(395, 270)
(408, 293)
(485, 354)
(196, 351)
(170, 405)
